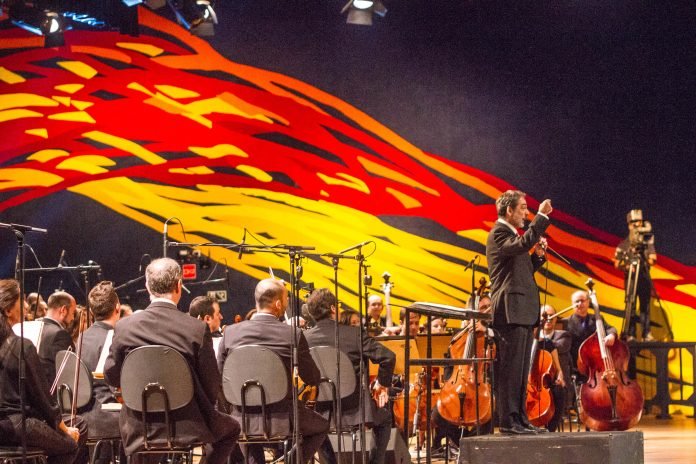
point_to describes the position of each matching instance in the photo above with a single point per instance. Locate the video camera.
(640, 231)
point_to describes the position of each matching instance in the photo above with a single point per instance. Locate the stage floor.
(668, 441)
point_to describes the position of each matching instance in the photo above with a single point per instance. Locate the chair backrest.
(249, 364)
(152, 365)
(325, 359)
(67, 378)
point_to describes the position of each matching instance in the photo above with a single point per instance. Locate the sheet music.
(32, 331)
(104, 352)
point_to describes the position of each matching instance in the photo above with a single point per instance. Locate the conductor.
(515, 301)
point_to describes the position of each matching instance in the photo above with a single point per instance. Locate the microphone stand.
(20, 272)
(362, 310)
(295, 256)
(338, 419)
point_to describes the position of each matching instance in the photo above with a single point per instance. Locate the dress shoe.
(536, 429)
(516, 429)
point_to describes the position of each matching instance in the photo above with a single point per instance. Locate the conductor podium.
(561, 448)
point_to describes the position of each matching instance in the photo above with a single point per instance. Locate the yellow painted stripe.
(78, 68)
(125, 145)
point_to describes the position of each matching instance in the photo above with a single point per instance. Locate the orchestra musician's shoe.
(516, 429)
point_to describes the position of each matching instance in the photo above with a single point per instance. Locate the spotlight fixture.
(37, 21)
(360, 11)
(198, 16)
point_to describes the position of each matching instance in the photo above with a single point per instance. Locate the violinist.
(581, 325)
(96, 342)
(45, 427)
(443, 428)
(163, 324)
(322, 305)
(55, 336)
(556, 342)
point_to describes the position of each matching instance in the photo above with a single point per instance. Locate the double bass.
(609, 399)
(465, 398)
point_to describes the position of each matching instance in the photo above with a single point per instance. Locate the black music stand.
(448, 312)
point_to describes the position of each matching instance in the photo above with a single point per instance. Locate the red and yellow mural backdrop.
(162, 125)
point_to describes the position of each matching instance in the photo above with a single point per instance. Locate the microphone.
(62, 257)
(241, 245)
(470, 264)
(164, 239)
(354, 247)
(22, 228)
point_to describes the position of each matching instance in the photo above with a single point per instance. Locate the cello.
(609, 399)
(540, 407)
(457, 403)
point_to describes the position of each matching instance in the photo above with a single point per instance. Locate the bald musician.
(265, 329)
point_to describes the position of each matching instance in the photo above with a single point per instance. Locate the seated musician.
(375, 322)
(45, 429)
(163, 324)
(443, 428)
(413, 324)
(265, 329)
(349, 317)
(556, 342)
(322, 306)
(96, 342)
(582, 325)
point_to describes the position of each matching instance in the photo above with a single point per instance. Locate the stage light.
(360, 11)
(198, 16)
(40, 22)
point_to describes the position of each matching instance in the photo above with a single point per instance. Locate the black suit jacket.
(266, 330)
(92, 344)
(54, 338)
(514, 293)
(163, 324)
(324, 334)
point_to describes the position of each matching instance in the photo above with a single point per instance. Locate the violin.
(610, 399)
(457, 402)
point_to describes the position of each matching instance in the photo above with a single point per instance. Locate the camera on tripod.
(640, 231)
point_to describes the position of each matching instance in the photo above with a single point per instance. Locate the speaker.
(397, 450)
(566, 448)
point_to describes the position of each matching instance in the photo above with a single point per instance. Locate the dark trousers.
(559, 401)
(59, 447)
(313, 428)
(511, 373)
(641, 305)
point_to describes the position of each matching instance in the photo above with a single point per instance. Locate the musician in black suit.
(163, 324)
(322, 307)
(515, 300)
(96, 341)
(54, 335)
(582, 325)
(265, 329)
(45, 429)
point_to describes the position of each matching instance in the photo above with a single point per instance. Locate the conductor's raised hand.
(545, 207)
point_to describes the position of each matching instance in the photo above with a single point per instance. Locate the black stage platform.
(554, 448)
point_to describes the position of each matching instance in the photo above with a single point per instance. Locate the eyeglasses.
(580, 300)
